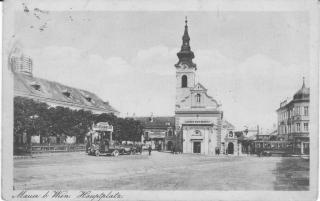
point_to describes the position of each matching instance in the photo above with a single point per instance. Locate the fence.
(33, 149)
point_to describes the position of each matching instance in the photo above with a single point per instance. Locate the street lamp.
(34, 117)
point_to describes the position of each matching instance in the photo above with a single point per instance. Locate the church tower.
(185, 68)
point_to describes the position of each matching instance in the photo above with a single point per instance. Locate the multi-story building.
(51, 92)
(158, 132)
(293, 120)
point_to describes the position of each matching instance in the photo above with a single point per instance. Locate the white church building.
(198, 119)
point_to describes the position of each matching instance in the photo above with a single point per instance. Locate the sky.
(248, 61)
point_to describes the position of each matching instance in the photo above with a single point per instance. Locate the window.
(298, 110)
(289, 127)
(66, 93)
(298, 127)
(306, 127)
(306, 111)
(198, 98)
(230, 134)
(170, 133)
(88, 98)
(184, 81)
(35, 85)
(285, 129)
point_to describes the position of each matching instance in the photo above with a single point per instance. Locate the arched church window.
(198, 98)
(184, 81)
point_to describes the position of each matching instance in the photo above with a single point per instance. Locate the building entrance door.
(169, 146)
(230, 148)
(197, 147)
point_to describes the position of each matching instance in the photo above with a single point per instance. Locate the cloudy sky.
(249, 61)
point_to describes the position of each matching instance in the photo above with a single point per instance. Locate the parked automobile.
(128, 149)
(104, 148)
(100, 141)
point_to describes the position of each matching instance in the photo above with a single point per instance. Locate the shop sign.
(198, 122)
(102, 126)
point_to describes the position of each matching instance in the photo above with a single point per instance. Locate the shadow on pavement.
(292, 174)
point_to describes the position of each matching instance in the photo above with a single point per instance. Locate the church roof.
(199, 87)
(186, 55)
(59, 94)
(157, 122)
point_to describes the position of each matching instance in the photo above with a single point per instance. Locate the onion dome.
(185, 55)
(303, 93)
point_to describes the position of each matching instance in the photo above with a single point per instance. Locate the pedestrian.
(149, 149)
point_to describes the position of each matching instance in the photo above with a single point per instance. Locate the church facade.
(198, 118)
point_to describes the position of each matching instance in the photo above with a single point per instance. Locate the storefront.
(156, 139)
(301, 145)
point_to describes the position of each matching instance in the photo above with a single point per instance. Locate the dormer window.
(66, 93)
(88, 98)
(35, 85)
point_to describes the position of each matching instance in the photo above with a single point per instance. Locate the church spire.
(185, 55)
(185, 37)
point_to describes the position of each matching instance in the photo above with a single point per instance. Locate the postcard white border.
(310, 6)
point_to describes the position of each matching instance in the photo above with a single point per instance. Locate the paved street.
(161, 171)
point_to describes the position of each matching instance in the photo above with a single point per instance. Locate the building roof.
(303, 93)
(227, 125)
(157, 122)
(59, 94)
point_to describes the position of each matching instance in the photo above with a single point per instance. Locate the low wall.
(34, 149)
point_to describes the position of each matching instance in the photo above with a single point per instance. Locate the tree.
(54, 121)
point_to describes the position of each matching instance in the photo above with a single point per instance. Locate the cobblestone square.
(160, 171)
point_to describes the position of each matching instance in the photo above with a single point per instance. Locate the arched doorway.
(169, 146)
(230, 148)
